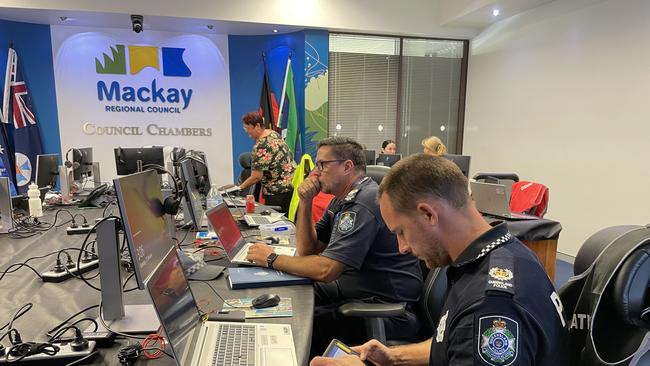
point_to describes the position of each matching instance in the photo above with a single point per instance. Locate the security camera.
(136, 22)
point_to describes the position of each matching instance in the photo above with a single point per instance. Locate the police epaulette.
(500, 276)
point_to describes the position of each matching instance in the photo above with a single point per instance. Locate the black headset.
(173, 202)
(72, 163)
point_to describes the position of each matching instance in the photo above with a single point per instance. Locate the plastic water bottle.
(35, 205)
(213, 199)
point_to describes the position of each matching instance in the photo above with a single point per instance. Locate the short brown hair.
(346, 148)
(253, 119)
(421, 175)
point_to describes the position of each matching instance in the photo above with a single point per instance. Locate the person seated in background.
(271, 163)
(350, 252)
(433, 146)
(389, 147)
(500, 307)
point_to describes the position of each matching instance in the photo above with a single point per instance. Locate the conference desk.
(540, 236)
(55, 302)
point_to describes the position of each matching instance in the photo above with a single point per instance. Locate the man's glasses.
(321, 164)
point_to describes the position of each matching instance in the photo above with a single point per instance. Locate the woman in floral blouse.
(271, 163)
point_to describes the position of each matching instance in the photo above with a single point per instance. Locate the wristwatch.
(270, 259)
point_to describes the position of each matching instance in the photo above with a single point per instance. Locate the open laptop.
(197, 343)
(231, 237)
(388, 159)
(492, 199)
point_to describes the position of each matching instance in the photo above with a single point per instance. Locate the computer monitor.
(47, 169)
(388, 159)
(145, 223)
(193, 199)
(462, 161)
(196, 171)
(84, 157)
(129, 160)
(370, 157)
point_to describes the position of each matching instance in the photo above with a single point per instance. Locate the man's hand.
(309, 188)
(257, 253)
(375, 352)
(339, 361)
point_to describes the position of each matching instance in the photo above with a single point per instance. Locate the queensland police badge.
(346, 221)
(498, 340)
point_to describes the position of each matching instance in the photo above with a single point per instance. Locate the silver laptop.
(197, 343)
(492, 199)
(231, 238)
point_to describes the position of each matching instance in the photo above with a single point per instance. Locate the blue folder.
(252, 277)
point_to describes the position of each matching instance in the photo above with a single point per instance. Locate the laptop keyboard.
(235, 345)
(261, 220)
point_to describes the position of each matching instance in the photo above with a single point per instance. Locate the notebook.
(197, 343)
(252, 277)
(231, 238)
(492, 199)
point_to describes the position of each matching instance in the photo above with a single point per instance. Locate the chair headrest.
(245, 160)
(377, 172)
(631, 288)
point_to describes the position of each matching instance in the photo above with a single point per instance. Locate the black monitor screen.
(47, 169)
(196, 172)
(128, 159)
(145, 223)
(462, 161)
(84, 158)
(388, 159)
(192, 196)
(370, 157)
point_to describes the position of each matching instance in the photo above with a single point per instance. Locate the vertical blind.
(365, 90)
(363, 86)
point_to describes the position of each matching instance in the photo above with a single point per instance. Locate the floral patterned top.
(271, 156)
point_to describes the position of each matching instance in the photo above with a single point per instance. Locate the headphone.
(171, 203)
(72, 163)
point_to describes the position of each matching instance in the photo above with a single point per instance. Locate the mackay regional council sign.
(148, 96)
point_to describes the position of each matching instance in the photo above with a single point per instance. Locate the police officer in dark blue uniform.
(350, 252)
(500, 308)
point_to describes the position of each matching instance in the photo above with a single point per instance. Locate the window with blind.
(363, 86)
(372, 79)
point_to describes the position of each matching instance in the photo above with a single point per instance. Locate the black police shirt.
(500, 308)
(357, 236)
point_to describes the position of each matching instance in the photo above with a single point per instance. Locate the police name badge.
(346, 222)
(498, 340)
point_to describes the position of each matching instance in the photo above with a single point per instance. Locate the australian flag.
(23, 137)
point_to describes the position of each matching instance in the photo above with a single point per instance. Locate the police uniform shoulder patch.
(346, 222)
(498, 340)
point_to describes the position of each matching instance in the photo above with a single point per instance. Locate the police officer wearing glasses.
(350, 252)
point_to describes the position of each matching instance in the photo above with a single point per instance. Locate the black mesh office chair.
(427, 310)
(377, 172)
(245, 163)
(608, 300)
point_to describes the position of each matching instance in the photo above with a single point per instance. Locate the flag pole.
(284, 90)
(7, 86)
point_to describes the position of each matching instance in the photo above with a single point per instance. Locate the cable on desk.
(101, 320)
(62, 331)
(24, 264)
(219, 296)
(49, 332)
(83, 248)
(153, 342)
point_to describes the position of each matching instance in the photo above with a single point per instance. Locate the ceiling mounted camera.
(136, 23)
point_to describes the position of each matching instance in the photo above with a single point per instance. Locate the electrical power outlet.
(51, 276)
(78, 230)
(65, 352)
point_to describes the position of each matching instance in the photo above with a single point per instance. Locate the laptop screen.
(226, 228)
(173, 300)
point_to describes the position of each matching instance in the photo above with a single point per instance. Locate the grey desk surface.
(54, 302)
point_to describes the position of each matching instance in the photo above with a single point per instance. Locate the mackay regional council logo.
(131, 60)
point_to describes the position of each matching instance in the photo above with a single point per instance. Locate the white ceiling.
(431, 18)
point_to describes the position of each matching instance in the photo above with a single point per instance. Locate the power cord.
(219, 296)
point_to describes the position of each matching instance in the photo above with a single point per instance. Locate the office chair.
(427, 310)
(608, 301)
(245, 163)
(377, 172)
